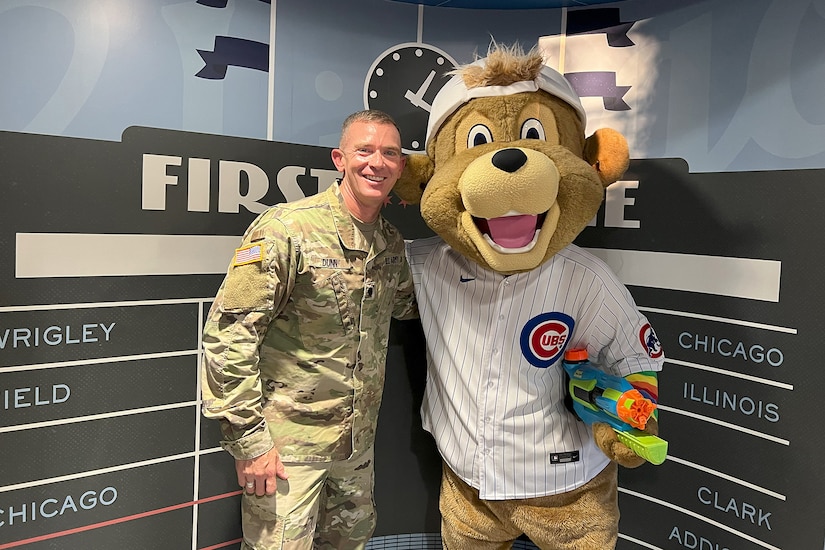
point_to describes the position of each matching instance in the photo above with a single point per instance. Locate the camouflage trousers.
(323, 505)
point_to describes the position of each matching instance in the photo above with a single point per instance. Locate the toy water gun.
(602, 397)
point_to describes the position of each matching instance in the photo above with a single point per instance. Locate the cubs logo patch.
(650, 341)
(544, 338)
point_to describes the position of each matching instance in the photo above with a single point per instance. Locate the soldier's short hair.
(368, 115)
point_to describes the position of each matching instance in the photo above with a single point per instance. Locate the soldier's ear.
(338, 159)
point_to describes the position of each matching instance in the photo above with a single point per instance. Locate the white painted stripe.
(89, 255)
(101, 416)
(119, 468)
(99, 360)
(270, 81)
(197, 442)
(210, 450)
(728, 320)
(738, 277)
(41, 255)
(699, 517)
(724, 372)
(725, 424)
(91, 473)
(639, 542)
(719, 474)
(419, 31)
(90, 305)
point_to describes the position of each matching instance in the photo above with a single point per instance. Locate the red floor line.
(222, 544)
(57, 534)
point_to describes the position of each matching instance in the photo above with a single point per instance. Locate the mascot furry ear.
(509, 178)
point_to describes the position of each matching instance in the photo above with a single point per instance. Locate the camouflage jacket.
(296, 340)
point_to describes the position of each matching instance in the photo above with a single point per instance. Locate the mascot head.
(509, 178)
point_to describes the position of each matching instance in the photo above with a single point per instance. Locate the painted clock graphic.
(403, 82)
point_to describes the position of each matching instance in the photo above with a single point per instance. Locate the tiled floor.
(424, 541)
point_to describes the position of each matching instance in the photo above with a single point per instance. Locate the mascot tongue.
(511, 231)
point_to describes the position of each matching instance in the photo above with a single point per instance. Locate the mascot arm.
(605, 436)
(607, 440)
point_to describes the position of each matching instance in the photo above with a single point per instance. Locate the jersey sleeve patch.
(650, 342)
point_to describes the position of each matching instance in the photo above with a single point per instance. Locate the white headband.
(455, 93)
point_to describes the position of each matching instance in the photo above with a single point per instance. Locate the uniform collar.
(350, 237)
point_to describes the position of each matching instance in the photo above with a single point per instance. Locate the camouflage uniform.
(295, 343)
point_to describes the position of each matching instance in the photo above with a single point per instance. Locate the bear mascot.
(507, 183)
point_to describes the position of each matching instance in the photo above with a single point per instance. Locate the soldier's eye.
(478, 135)
(532, 129)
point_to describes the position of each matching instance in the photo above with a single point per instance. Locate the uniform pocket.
(322, 302)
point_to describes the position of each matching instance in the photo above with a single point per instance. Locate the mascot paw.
(609, 443)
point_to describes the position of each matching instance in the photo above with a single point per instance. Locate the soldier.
(295, 346)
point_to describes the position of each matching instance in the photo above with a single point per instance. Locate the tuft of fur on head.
(505, 65)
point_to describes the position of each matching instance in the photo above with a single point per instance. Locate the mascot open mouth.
(512, 233)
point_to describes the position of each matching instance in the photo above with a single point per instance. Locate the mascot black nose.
(509, 160)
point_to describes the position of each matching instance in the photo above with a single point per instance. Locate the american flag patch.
(247, 255)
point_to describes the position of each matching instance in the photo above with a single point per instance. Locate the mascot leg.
(467, 522)
(586, 518)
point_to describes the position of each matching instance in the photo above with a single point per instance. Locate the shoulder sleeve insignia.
(248, 254)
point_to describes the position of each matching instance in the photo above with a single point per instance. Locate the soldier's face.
(371, 159)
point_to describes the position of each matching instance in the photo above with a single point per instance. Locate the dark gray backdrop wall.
(735, 307)
(112, 245)
(92, 367)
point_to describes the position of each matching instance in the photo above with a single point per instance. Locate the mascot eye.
(532, 129)
(479, 135)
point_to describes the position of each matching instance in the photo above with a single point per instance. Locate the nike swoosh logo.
(466, 279)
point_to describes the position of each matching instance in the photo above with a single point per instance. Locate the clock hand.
(417, 97)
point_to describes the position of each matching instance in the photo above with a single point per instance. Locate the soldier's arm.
(256, 284)
(404, 305)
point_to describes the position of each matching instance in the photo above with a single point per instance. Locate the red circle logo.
(544, 338)
(547, 339)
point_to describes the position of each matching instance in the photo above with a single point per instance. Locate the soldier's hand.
(259, 475)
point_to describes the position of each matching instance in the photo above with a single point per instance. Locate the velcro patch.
(248, 255)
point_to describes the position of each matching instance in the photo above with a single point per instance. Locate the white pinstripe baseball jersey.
(495, 386)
